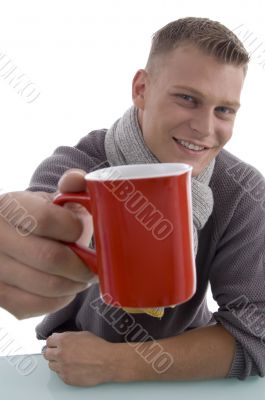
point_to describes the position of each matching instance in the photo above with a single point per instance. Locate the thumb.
(72, 180)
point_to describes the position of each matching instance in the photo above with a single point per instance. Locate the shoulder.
(238, 191)
(93, 143)
(88, 154)
(237, 178)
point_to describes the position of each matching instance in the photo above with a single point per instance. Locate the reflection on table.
(28, 377)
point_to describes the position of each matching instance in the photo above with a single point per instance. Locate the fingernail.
(43, 349)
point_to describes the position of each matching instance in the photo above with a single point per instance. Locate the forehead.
(189, 66)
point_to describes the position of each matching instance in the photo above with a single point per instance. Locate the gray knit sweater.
(231, 257)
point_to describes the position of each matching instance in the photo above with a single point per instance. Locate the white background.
(81, 56)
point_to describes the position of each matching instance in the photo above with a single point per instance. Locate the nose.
(203, 122)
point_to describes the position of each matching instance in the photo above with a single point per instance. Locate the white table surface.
(30, 378)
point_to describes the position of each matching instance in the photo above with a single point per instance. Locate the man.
(185, 103)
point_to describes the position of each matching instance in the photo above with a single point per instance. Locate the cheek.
(225, 133)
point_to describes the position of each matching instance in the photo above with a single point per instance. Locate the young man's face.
(187, 98)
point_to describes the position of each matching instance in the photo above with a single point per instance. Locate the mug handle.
(89, 256)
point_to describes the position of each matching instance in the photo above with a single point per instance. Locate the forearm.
(202, 353)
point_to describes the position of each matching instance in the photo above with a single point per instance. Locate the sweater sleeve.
(88, 155)
(237, 278)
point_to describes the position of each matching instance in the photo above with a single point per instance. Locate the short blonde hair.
(211, 37)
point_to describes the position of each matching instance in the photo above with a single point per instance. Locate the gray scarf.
(124, 144)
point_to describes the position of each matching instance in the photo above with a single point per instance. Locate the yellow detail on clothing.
(157, 312)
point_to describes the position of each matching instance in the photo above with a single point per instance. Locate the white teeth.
(190, 146)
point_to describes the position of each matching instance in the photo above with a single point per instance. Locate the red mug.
(142, 217)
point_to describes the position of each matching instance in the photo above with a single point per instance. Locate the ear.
(139, 85)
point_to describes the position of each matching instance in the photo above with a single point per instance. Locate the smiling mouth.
(190, 147)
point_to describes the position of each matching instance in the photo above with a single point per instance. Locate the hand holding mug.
(143, 229)
(38, 273)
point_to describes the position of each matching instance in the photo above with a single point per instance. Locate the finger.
(72, 181)
(26, 305)
(50, 354)
(54, 366)
(86, 220)
(34, 213)
(53, 340)
(19, 275)
(46, 255)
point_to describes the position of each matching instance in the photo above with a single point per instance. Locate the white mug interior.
(138, 171)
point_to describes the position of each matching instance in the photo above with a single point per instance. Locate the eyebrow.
(200, 94)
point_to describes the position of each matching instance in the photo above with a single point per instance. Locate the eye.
(186, 97)
(226, 110)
